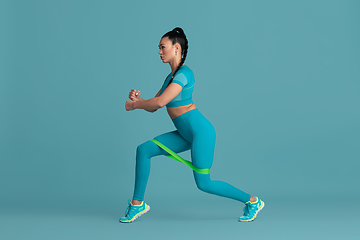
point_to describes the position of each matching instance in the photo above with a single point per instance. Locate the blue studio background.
(279, 80)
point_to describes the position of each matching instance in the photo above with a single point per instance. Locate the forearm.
(149, 110)
(150, 105)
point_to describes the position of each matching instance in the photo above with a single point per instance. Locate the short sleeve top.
(185, 78)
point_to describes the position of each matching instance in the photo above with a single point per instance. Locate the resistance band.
(176, 157)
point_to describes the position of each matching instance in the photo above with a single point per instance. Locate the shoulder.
(186, 70)
(184, 76)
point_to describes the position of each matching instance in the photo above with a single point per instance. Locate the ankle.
(136, 202)
(253, 199)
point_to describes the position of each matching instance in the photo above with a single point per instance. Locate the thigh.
(202, 152)
(174, 141)
(203, 145)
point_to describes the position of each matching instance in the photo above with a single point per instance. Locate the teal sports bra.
(185, 78)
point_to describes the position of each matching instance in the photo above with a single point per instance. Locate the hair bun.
(179, 30)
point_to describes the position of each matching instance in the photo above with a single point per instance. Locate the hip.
(193, 124)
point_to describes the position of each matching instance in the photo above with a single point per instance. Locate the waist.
(174, 112)
(179, 103)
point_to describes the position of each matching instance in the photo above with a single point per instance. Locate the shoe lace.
(128, 209)
(246, 209)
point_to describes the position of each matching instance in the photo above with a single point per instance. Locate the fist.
(129, 105)
(134, 95)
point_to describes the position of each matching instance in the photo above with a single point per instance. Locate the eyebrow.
(161, 45)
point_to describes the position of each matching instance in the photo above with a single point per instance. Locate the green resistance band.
(176, 157)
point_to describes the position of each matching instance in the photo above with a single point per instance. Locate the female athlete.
(193, 132)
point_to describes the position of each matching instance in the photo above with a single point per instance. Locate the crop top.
(185, 78)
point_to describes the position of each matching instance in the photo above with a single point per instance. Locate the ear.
(177, 47)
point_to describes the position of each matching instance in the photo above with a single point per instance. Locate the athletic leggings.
(193, 132)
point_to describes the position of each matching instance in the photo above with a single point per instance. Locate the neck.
(174, 64)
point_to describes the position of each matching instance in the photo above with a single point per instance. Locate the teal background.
(279, 80)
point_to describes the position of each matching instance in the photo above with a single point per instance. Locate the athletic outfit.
(193, 132)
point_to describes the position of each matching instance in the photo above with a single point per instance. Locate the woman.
(193, 132)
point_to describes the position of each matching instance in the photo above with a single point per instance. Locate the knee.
(203, 182)
(202, 186)
(146, 148)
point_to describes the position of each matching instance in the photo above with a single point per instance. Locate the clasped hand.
(134, 96)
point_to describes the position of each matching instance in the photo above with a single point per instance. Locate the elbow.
(160, 104)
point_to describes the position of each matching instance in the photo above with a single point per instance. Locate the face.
(167, 50)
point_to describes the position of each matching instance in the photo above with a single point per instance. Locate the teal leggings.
(193, 132)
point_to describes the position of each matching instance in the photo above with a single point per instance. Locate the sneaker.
(132, 212)
(251, 210)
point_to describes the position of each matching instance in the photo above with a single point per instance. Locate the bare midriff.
(174, 112)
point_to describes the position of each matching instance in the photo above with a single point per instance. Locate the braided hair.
(177, 35)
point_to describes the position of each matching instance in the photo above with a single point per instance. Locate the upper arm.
(180, 79)
(170, 93)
